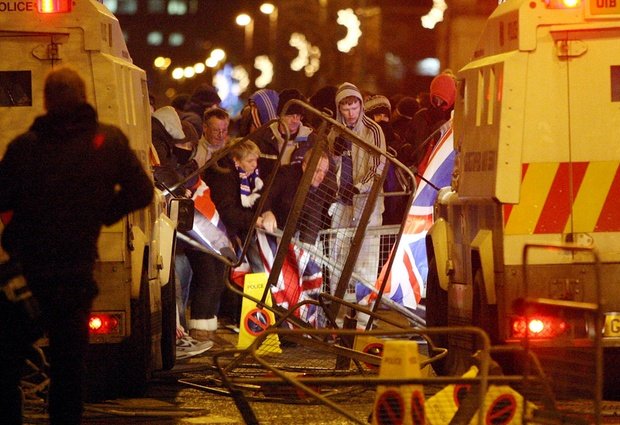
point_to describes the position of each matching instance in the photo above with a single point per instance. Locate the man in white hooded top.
(353, 192)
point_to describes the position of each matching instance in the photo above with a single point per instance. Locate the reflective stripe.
(566, 197)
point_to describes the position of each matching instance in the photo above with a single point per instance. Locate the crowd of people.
(57, 246)
(194, 127)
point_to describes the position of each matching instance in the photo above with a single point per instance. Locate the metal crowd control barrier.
(312, 366)
(333, 239)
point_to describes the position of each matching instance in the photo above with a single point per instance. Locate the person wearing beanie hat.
(402, 117)
(407, 107)
(356, 172)
(288, 134)
(263, 107)
(423, 133)
(378, 108)
(324, 101)
(378, 105)
(203, 98)
(291, 94)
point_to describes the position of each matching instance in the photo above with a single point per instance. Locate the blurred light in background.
(308, 57)
(264, 65)
(435, 15)
(428, 67)
(351, 22)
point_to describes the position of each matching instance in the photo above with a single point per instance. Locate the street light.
(244, 20)
(271, 10)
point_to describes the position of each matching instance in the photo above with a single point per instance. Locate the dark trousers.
(207, 284)
(65, 302)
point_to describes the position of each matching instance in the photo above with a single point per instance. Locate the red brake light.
(537, 327)
(54, 6)
(104, 324)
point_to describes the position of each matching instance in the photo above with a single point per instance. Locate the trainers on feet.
(188, 347)
(202, 335)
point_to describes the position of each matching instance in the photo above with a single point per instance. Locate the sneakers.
(203, 335)
(188, 347)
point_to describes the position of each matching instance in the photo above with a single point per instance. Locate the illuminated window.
(155, 38)
(177, 7)
(176, 39)
(156, 6)
(127, 7)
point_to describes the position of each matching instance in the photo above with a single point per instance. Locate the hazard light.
(542, 327)
(563, 4)
(54, 6)
(104, 324)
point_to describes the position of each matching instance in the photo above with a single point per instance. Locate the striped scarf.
(249, 185)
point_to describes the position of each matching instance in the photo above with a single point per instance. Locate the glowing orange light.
(538, 327)
(101, 324)
(54, 6)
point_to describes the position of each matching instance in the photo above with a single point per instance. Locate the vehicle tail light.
(537, 327)
(105, 324)
(54, 6)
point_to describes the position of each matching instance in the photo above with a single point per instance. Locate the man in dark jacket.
(282, 194)
(62, 180)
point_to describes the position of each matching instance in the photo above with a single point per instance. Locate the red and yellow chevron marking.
(566, 197)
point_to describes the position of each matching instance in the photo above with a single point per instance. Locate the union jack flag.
(208, 227)
(300, 279)
(406, 283)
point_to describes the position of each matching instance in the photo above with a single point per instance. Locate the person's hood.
(345, 90)
(444, 87)
(169, 118)
(62, 124)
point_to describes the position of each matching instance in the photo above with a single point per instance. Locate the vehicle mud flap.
(101, 377)
(169, 322)
(611, 373)
(436, 313)
(135, 356)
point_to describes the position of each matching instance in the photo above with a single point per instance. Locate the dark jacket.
(280, 202)
(425, 122)
(63, 180)
(226, 195)
(267, 142)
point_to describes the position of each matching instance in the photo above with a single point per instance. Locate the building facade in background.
(394, 53)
